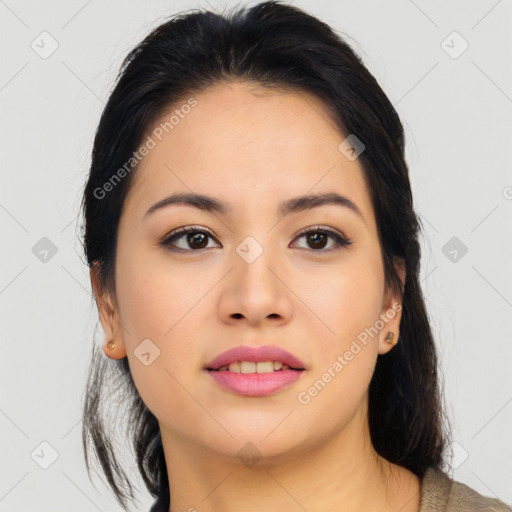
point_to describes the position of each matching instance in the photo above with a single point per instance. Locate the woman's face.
(253, 279)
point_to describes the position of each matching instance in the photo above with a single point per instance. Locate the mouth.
(255, 372)
(263, 359)
(255, 367)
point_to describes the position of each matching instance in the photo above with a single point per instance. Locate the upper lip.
(256, 354)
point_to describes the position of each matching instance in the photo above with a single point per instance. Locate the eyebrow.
(293, 205)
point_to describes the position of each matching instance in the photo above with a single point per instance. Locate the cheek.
(169, 305)
(346, 354)
(348, 302)
(157, 299)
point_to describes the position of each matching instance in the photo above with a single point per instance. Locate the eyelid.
(175, 233)
(321, 227)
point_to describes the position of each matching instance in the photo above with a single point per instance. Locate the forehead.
(242, 142)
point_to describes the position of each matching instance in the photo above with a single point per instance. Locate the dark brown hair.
(274, 45)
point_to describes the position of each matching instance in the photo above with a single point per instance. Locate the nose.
(256, 290)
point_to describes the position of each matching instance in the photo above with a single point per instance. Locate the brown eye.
(195, 239)
(317, 238)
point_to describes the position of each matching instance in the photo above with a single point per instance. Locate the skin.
(253, 148)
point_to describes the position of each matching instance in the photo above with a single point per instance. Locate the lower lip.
(255, 384)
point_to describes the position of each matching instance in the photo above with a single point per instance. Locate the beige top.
(439, 493)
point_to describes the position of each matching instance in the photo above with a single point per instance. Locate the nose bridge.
(256, 291)
(254, 257)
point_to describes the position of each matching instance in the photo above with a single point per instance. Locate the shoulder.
(440, 493)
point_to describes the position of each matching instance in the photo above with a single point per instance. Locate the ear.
(109, 317)
(391, 313)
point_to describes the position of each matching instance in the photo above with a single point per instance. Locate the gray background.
(457, 112)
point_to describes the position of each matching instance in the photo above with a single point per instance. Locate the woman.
(253, 251)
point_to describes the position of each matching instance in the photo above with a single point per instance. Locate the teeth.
(252, 367)
(234, 367)
(264, 367)
(248, 367)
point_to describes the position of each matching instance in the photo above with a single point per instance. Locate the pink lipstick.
(256, 371)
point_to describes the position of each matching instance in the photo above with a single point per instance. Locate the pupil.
(194, 237)
(315, 238)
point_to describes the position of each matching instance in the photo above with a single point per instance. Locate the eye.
(197, 239)
(318, 236)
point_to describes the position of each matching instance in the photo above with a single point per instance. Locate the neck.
(342, 472)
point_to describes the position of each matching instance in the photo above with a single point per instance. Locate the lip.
(255, 384)
(255, 354)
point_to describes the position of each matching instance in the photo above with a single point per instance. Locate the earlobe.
(392, 313)
(106, 312)
(391, 317)
(114, 350)
(390, 338)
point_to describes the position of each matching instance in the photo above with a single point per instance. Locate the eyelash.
(339, 240)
